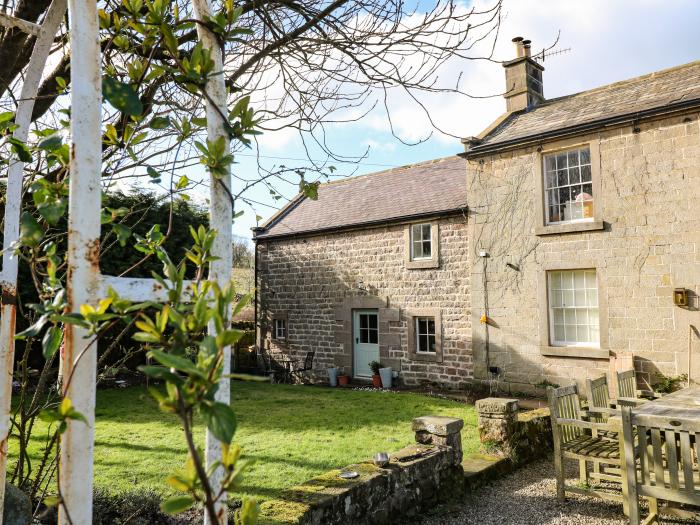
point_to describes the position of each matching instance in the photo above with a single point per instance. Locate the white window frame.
(560, 303)
(557, 156)
(417, 321)
(422, 239)
(280, 325)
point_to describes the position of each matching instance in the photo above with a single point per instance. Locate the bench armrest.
(631, 401)
(580, 423)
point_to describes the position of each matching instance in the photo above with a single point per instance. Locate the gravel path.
(528, 497)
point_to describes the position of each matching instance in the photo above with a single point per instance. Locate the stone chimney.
(523, 78)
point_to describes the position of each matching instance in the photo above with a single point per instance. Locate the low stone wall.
(417, 478)
(518, 436)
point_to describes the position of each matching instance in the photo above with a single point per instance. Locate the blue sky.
(608, 41)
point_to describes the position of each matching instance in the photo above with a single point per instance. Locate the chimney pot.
(519, 49)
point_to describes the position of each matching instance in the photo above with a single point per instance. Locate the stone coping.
(416, 476)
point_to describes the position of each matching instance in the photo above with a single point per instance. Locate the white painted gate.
(85, 284)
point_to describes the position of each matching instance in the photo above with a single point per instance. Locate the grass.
(292, 432)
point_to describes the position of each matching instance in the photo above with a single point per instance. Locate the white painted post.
(80, 356)
(23, 117)
(220, 217)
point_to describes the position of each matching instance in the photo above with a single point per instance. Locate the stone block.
(438, 425)
(17, 508)
(496, 406)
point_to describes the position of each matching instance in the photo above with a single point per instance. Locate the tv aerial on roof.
(544, 54)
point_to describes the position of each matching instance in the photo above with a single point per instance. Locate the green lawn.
(293, 432)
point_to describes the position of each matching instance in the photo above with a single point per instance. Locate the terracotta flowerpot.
(377, 381)
(343, 380)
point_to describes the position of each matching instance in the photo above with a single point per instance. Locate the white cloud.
(608, 41)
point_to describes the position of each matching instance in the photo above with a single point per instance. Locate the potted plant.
(376, 378)
(333, 376)
(386, 376)
(343, 379)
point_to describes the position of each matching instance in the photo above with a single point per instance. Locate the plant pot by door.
(377, 381)
(333, 376)
(385, 374)
(343, 380)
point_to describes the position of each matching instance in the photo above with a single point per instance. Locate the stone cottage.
(375, 269)
(584, 221)
(563, 242)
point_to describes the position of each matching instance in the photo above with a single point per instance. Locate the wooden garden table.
(683, 404)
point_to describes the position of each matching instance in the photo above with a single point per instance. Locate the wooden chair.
(598, 393)
(627, 393)
(577, 438)
(599, 400)
(667, 469)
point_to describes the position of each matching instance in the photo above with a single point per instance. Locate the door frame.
(355, 315)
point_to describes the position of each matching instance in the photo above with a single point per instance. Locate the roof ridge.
(617, 83)
(353, 178)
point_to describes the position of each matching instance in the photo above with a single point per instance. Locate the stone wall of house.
(313, 281)
(650, 244)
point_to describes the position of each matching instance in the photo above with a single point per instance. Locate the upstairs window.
(568, 186)
(421, 243)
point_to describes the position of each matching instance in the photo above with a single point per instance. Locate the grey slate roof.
(427, 188)
(662, 89)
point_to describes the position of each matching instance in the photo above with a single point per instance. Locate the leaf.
(160, 372)
(20, 149)
(220, 420)
(144, 337)
(177, 483)
(121, 96)
(249, 512)
(176, 362)
(34, 329)
(177, 504)
(51, 143)
(52, 501)
(65, 407)
(51, 341)
(160, 123)
(30, 231)
(122, 232)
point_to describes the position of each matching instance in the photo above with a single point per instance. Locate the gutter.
(627, 118)
(259, 235)
(255, 295)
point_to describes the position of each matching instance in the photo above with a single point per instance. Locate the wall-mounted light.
(361, 286)
(680, 297)
(483, 253)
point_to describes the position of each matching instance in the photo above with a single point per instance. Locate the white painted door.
(365, 341)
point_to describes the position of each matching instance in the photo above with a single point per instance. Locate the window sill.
(575, 351)
(422, 264)
(426, 357)
(571, 227)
